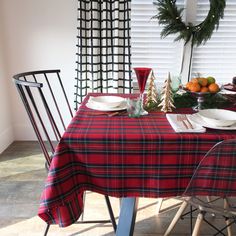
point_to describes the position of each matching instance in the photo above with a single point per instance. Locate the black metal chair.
(215, 176)
(48, 108)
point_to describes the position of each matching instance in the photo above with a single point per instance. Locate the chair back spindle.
(47, 105)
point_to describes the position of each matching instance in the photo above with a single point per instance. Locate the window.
(216, 58)
(148, 49)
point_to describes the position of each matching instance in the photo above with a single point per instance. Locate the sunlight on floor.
(95, 209)
(21, 165)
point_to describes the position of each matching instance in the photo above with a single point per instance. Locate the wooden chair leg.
(198, 224)
(229, 228)
(176, 218)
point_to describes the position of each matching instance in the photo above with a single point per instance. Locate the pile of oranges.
(203, 85)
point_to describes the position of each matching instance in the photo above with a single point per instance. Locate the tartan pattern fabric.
(122, 157)
(104, 49)
(219, 168)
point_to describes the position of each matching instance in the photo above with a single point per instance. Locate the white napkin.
(179, 127)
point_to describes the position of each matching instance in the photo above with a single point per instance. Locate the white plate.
(123, 106)
(225, 91)
(218, 117)
(198, 119)
(107, 101)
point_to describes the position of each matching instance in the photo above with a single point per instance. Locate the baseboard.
(6, 138)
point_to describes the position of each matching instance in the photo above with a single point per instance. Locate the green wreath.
(171, 18)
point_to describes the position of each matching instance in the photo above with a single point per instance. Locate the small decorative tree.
(152, 96)
(167, 102)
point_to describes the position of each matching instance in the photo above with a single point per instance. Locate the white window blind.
(218, 56)
(148, 49)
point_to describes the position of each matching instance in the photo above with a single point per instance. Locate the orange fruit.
(188, 85)
(204, 90)
(195, 87)
(194, 80)
(203, 81)
(213, 88)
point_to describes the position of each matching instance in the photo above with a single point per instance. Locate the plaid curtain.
(103, 56)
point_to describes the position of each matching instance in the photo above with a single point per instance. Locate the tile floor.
(22, 177)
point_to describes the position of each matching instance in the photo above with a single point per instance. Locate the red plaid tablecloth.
(120, 156)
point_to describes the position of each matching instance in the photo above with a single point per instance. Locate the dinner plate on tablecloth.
(198, 119)
(107, 101)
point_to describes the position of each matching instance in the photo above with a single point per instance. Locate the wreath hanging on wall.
(171, 18)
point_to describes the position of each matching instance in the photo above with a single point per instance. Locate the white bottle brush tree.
(167, 102)
(152, 95)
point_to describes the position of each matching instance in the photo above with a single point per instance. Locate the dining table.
(124, 157)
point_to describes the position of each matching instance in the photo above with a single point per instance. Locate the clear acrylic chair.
(212, 189)
(46, 103)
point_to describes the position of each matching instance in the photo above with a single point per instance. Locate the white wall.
(37, 35)
(6, 131)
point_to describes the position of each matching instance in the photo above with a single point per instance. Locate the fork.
(182, 119)
(109, 114)
(188, 122)
(117, 113)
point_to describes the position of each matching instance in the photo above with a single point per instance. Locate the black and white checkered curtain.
(103, 58)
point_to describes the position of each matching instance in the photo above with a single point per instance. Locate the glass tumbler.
(134, 107)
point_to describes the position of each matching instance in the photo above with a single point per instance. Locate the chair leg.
(110, 211)
(46, 165)
(176, 218)
(198, 224)
(229, 227)
(227, 221)
(112, 217)
(82, 214)
(159, 204)
(46, 230)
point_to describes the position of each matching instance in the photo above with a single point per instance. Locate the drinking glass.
(175, 82)
(142, 74)
(133, 107)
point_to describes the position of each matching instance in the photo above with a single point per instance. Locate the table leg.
(127, 216)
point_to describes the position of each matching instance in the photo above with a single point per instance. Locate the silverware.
(96, 113)
(184, 119)
(116, 113)
(109, 114)
(187, 120)
(180, 118)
